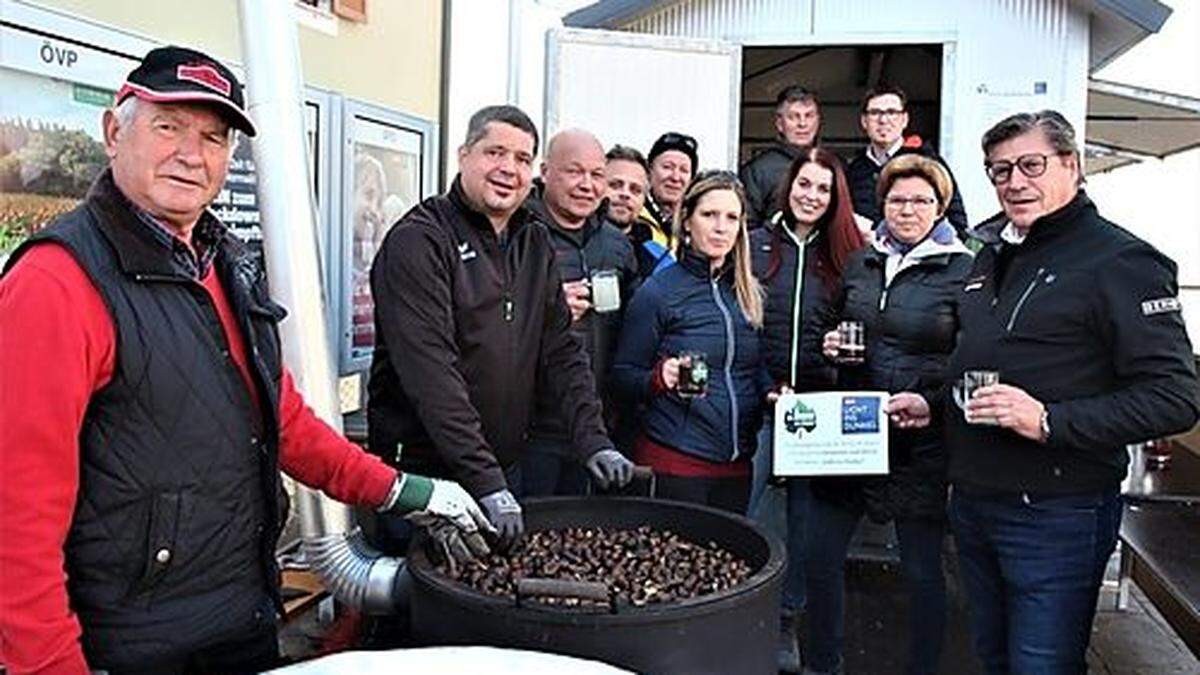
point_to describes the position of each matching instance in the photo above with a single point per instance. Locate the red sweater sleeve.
(56, 348)
(319, 457)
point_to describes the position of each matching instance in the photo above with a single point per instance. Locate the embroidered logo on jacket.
(1161, 306)
(464, 252)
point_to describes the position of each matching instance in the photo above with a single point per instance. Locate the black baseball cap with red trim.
(181, 75)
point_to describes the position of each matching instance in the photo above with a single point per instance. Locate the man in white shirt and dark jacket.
(1082, 323)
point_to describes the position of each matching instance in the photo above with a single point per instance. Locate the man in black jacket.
(884, 118)
(797, 121)
(469, 312)
(1081, 321)
(598, 268)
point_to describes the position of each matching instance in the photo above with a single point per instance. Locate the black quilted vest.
(171, 546)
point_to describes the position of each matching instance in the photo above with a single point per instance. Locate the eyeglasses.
(879, 114)
(899, 203)
(1032, 165)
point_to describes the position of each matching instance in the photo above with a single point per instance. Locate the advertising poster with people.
(52, 148)
(386, 184)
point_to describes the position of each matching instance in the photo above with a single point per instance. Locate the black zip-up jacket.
(597, 246)
(910, 325)
(761, 176)
(797, 306)
(863, 176)
(465, 320)
(687, 308)
(1082, 316)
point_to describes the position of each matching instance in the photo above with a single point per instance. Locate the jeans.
(763, 503)
(549, 469)
(831, 526)
(1032, 568)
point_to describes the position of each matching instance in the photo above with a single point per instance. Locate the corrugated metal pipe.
(355, 573)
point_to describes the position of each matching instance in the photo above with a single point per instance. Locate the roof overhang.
(1115, 25)
(1126, 121)
(1118, 25)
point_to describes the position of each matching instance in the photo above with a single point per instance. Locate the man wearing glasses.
(884, 118)
(1081, 321)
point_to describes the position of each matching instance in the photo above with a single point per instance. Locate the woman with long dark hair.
(799, 258)
(689, 350)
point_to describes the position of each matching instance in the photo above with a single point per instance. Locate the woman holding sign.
(900, 297)
(689, 350)
(799, 257)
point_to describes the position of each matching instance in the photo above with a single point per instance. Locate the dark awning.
(1125, 121)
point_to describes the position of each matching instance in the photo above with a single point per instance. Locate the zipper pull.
(507, 308)
(883, 299)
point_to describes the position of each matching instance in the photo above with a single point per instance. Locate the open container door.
(630, 88)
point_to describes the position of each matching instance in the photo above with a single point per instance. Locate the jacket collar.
(698, 264)
(1075, 213)
(477, 220)
(789, 237)
(926, 253)
(537, 209)
(138, 250)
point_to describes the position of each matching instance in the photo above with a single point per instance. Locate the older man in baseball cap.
(150, 412)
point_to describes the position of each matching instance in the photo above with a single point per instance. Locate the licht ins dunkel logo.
(860, 415)
(800, 419)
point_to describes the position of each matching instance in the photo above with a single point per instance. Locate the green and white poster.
(832, 433)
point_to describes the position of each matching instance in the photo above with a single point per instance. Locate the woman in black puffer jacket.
(799, 259)
(904, 289)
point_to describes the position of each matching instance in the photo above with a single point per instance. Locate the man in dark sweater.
(884, 118)
(470, 319)
(797, 121)
(598, 270)
(1081, 321)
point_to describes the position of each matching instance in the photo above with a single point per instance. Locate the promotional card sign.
(834, 433)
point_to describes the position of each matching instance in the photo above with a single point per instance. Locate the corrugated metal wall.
(1000, 56)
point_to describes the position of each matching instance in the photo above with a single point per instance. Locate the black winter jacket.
(863, 176)
(797, 306)
(465, 320)
(598, 246)
(172, 543)
(910, 327)
(1083, 316)
(684, 308)
(761, 176)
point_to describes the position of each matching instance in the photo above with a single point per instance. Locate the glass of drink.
(972, 380)
(693, 374)
(852, 344)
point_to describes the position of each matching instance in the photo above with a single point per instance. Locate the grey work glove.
(610, 468)
(448, 514)
(504, 512)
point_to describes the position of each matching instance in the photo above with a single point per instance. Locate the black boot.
(789, 645)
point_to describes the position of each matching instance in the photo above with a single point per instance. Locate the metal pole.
(355, 573)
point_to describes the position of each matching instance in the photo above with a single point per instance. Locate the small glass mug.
(693, 375)
(852, 343)
(604, 287)
(965, 389)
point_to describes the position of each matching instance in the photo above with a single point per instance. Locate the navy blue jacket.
(684, 308)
